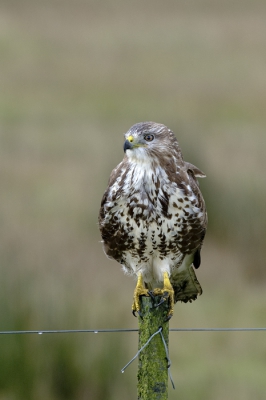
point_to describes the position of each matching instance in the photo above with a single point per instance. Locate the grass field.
(75, 76)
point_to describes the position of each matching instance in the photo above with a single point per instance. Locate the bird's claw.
(150, 292)
(167, 293)
(134, 313)
(140, 290)
(165, 296)
(169, 316)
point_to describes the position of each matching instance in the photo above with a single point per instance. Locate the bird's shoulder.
(192, 169)
(116, 178)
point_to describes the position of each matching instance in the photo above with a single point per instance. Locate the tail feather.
(186, 285)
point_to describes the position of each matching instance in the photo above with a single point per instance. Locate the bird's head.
(149, 140)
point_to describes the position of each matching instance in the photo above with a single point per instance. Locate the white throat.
(139, 156)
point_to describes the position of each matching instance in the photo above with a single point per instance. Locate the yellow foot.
(139, 291)
(166, 292)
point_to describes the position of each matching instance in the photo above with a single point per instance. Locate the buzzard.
(153, 218)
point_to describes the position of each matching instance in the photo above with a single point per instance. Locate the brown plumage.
(152, 217)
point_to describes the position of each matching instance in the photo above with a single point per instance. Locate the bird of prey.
(153, 218)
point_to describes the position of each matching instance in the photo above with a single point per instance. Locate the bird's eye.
(148, 138)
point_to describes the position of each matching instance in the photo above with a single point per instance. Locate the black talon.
(140, 315)
(134, 313)
(163, 299)
(151, 294)
(168, 318)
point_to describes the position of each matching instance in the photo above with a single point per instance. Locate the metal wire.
(67, 331)
(217, 329)
(140, 350)
(41, 332)
(168, 359)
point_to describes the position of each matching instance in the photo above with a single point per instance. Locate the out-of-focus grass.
(74, 77)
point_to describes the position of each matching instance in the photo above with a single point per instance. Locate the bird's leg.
(166, 292)
(139, 291)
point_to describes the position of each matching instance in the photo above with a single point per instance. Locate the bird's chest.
(151, 209)
(148, 216)
(145, 196)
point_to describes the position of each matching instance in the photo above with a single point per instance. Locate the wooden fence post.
(152, 367)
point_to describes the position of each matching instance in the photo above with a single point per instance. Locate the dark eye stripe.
(148, 138)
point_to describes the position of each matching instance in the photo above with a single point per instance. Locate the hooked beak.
(128, 145)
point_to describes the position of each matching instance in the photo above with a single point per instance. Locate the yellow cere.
(130, 139)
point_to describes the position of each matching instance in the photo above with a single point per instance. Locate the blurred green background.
(75, 75)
